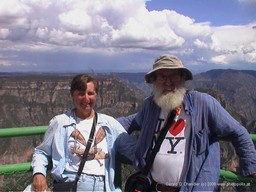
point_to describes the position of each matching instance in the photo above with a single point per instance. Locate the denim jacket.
(54, 146)
(209, 122)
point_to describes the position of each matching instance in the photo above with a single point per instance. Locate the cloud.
(4, 33)
(234, 43)
(220, 59)
(200, 44)
(36, 32)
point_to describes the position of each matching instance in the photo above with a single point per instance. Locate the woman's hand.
(39, 182)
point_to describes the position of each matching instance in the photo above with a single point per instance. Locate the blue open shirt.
(209, 122)
(54, 146)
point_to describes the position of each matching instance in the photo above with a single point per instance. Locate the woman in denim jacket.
(67, 135)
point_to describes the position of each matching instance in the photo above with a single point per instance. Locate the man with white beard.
(189, 155)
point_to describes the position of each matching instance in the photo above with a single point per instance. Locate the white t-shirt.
(77, 140)
(168, 164)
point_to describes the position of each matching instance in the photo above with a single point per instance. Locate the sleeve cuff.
(39, 170)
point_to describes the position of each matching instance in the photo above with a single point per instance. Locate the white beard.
(170, 100)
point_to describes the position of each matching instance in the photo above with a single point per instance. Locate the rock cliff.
(32, 100)
(29, 100)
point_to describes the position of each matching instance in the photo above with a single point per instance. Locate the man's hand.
(39, 182)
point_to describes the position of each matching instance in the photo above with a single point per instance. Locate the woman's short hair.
(79, 83)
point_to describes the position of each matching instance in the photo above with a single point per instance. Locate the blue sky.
(126, 36)
(218, 12)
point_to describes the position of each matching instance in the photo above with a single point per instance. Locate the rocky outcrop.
(29, 100)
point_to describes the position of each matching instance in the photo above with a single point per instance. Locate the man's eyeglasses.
(176, 77)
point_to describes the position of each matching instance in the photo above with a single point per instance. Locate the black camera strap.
(88, 146)
(170, 121)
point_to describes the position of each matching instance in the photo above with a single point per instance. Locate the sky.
(126, 35)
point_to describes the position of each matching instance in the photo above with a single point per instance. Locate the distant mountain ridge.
(221, 71)
(237, 86)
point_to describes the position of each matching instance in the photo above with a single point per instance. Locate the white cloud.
(116, 28)
(41, 33)
(76, 20)
(147, 30)
(4, 33)
(13, 8)
(93, 24)
(234, 43)
(219, 59)
(200, 44)
(185, 26)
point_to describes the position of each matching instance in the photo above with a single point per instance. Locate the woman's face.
(85, 101)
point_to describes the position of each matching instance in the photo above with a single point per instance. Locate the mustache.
(169, 100)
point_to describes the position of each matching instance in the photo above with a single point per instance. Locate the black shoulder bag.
(139, 181)
(72, 185)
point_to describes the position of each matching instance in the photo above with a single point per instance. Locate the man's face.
(169, 79)
(168, 88)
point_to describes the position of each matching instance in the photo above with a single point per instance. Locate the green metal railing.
(39, 130)
(17, 132)
(26, 131)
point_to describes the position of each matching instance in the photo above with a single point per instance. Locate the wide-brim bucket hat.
(167, 62)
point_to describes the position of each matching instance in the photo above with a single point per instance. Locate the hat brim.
(149, 77)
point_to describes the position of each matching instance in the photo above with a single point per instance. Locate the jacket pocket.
(201, 142)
